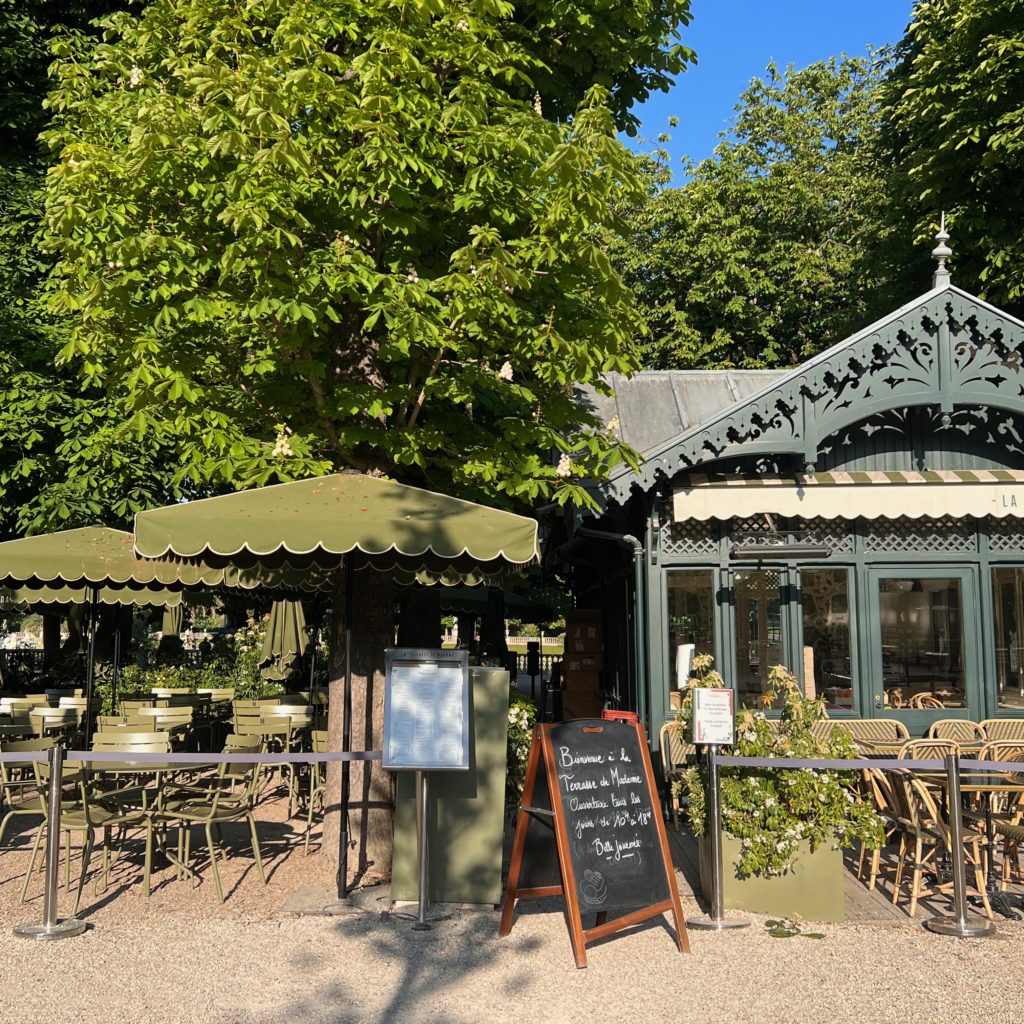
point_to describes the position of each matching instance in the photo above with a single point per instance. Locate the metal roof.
(656, 406)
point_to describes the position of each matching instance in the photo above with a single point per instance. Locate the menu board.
(609, 816)
(590, 812)
(426, 710)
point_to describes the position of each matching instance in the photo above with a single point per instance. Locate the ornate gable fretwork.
(948, 352)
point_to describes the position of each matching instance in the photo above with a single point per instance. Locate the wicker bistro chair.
(959, 729)
(876, 788)
(1003, 728)
(1007, 810)
(676, 754)
(928, 750)
(230, 795)
(923, 833)
(18, 787)
(875, 734)
(823, 728)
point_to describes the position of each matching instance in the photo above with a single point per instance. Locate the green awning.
(58, 567)
(40, 598)
(312, 523)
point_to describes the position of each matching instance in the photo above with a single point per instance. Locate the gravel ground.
(182, 956)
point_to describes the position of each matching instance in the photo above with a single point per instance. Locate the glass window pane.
(691, 621)
(757, 594)
(922, 642)
(1008, 586)
(826, 619)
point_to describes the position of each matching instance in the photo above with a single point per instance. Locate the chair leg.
(147, 869)
(86, 854)
(32, 860)
(256, 848)
(67, 860)
(979, 881)
(915, 889)
(900, 859)
(213, 860)
(3, 825)
(309, 821)
(873, 873)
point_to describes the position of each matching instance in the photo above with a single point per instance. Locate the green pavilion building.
(859, 518)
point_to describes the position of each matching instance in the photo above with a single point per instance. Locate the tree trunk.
(51, 639)
(372, 790)
(419, 617)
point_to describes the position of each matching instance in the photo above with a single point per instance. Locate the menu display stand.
(426, 729)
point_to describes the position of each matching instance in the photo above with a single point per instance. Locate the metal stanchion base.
(39, 930)
(422, 926)
(711, 924)
(969, 928)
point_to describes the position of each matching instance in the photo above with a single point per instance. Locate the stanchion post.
(50, 927)
(716, 919)
(423, 894)
(959, 925)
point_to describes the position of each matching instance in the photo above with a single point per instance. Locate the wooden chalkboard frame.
(542, 758)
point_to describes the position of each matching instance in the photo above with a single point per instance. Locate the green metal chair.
(317, 781)
(18, 786)
(229, 796)
(88, 809)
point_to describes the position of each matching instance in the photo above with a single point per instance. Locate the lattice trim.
(908, 536)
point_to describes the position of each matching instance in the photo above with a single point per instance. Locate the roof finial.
(940, 254)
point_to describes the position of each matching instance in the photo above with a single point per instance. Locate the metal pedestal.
(716, 920)
(50, 928)
(421, 853)
(959, 924)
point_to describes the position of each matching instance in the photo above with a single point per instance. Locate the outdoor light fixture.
(759, 552)
(758, 545)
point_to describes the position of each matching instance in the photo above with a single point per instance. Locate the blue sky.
(736, 39)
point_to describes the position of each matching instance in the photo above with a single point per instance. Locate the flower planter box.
(812, 889)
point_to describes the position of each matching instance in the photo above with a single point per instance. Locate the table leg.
(1002, 903)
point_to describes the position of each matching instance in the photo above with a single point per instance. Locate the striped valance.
(888, 494)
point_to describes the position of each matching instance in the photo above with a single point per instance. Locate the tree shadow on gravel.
(431, 963)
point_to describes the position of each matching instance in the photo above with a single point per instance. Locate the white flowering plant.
(522, 715)
(776, 814)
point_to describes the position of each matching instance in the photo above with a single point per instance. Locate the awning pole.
(90, 665)
(346, 733)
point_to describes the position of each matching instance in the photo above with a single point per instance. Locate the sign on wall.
(713, 719)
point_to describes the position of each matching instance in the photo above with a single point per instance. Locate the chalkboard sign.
(590, 829)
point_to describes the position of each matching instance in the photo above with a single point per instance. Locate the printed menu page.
(425, 716)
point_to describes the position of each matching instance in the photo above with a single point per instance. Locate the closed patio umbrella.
(285, 641)
(348, 520)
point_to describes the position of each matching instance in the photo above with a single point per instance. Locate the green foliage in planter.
(522, 715)
(775, 814)
(227, 662)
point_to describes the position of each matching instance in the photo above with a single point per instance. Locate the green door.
(923, 651)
